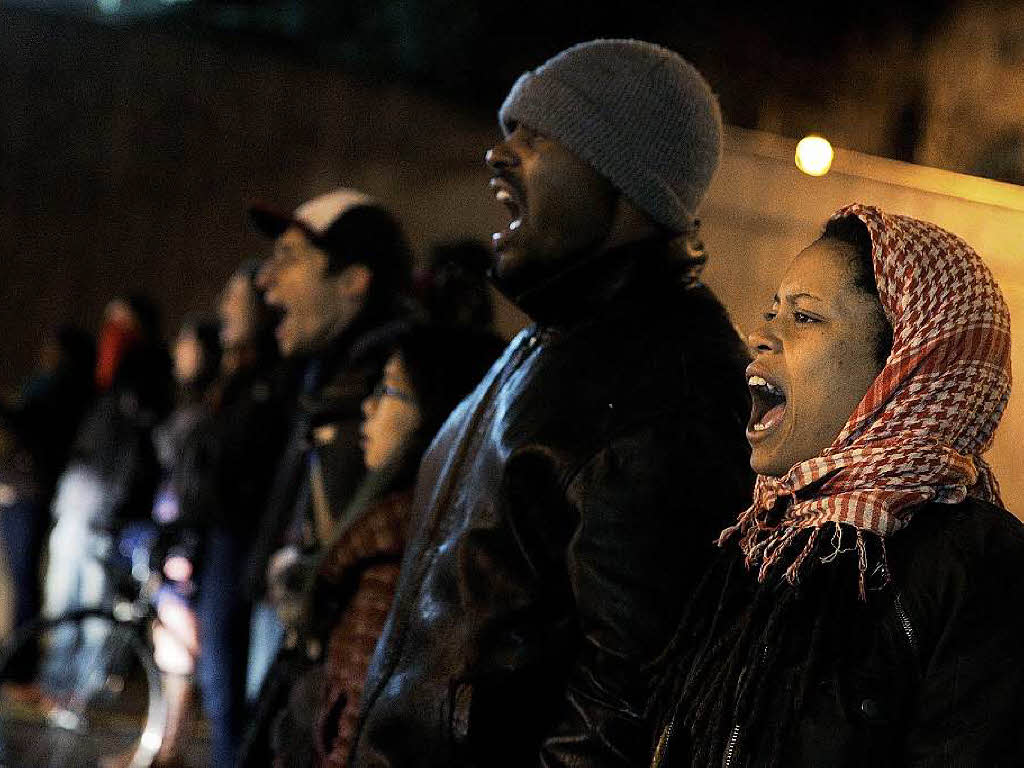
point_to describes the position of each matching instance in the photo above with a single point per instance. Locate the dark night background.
(469, 52)
(134, 134)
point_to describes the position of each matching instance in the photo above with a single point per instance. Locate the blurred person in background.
(222, 445)
(337, 277)
(196, 356)
(430, 369)
(867, 609)
(36, 433)
(111, 475)
(574, 495)
(229, 465)
(452, 289)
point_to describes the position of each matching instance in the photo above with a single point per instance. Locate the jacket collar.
(598, 284)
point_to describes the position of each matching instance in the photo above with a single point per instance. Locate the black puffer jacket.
(928, 673)
(558, 515)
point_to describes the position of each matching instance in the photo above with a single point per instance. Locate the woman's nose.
(762, 340)
(367, 405)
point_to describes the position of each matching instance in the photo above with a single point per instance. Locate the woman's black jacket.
(930, 672)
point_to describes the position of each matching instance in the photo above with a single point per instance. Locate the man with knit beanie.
(568, 506)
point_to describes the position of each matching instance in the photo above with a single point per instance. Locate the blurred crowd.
(267, 453)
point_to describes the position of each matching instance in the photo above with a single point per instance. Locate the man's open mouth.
(768, 404)
(506, 193)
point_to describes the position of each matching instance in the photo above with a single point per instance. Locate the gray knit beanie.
(640, 114)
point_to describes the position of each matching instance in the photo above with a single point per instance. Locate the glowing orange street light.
(814, 155)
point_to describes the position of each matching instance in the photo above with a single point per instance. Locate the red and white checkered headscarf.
(920, 430)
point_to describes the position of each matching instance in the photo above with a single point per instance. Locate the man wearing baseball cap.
(337, 272)
(568, 508)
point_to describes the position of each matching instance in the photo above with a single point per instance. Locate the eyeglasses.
(383, 390)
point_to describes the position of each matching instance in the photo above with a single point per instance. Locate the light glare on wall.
(814, 155)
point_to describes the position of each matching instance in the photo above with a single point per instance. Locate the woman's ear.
(354, 281)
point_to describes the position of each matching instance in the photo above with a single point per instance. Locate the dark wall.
(129, 156)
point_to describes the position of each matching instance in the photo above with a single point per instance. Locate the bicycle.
(110, 700)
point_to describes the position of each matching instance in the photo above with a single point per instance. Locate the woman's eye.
(770, 315)
(800, 317)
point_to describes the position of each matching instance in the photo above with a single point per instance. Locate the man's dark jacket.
(559, 515)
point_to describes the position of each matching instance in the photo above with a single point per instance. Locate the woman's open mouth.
(768, 406)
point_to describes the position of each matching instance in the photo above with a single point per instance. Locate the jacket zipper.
(901, 614)
(666, 735)
(908, 628)
(730, 748)
(731, 752)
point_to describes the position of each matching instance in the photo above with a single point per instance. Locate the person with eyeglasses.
(429, 370)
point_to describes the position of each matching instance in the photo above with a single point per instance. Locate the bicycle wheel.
(77, 691)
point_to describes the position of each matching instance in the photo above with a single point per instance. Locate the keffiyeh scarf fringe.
(791, 550)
